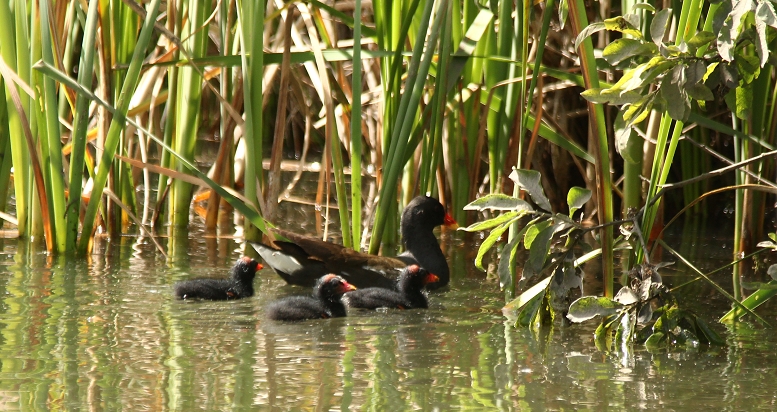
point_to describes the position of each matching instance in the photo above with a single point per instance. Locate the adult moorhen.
(410, 293)
(240, 283)
(325, 303)
(302, 259)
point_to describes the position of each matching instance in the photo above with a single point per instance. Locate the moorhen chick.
(300, 260)
(410, 294)
(325, 303)
(240, 283)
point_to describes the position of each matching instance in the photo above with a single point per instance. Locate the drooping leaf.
(499, 201)
(529, 311)
(488, 243)
(659, 24)
(488, 224)
(530, 181)
(563, 13)
(588, 307)
(699, 92)
(611, 96)
(540, 248)
(729, 32)
(577, 198)
(506, 267)
(627, 144)
(516, 304)
(678, 105)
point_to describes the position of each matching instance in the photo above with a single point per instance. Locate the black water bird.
(324, 303)
(300, 260)
(240, 284)
(409, 294)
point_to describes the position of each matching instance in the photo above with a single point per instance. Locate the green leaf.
(742, 105)
(628, 144)
(488, 224)
(747, 67)
(530, 180)
(699, 92)
(576, 198)
(529, 311)
(488, 243)
(540, 248)
(711, 336)
(625, 48)
(532, 230)
(639, 110)
(589, 30)
(659, 24)
(700, 39)
(613, 97)
(506, 266)
(623, 25)
(731, 29)
(655, 341)
(588, 307)
(524, 298)
(499, 201)
(678, 105)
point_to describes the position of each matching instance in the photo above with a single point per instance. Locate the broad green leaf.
(529, 311)
(589, 30)
(623, 25)
(740, 101)
(694, 72)
(488, 243)
(588, 307)
(576, 198)
(622, 49)
(505, 268)
(639, 110)
(747, 67)
(532, 230)
(628, 144)
(659, 24)
(499, 201)
(699, 92)
(526, 297)
(530, 180)
(700, 39)
(677, 102)
(488, 224)
(655, 341)
(538, 253)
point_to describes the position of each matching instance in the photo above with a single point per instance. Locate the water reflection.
(107, 334)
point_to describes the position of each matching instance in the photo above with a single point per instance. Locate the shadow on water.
(107, 334)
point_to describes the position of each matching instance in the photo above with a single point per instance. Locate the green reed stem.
(356, 128)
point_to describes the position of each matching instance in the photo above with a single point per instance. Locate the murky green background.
(106, 334)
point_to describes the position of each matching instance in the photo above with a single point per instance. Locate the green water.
(107, 334)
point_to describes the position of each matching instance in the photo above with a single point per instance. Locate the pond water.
(107, 334)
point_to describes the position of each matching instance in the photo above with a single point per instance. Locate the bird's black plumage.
(409, 294)
(239, 285)
(300, 260)
(324, 303)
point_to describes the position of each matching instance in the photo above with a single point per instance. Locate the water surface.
(107, 334)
